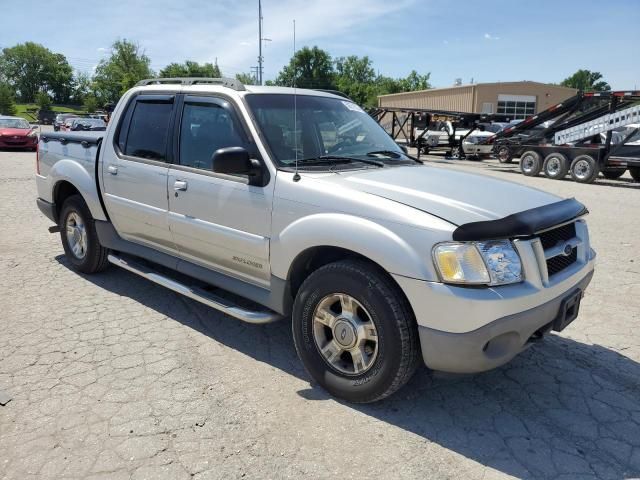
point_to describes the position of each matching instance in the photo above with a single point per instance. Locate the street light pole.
(259, 42)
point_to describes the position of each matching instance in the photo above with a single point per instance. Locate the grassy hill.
(23, 110)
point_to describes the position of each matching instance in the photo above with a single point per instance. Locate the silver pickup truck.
(301, 204)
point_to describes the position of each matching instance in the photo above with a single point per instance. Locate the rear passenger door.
(135, 172)
(218, 221)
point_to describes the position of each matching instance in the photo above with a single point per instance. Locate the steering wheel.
(340, 145)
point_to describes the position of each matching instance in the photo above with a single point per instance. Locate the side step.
(249, 316)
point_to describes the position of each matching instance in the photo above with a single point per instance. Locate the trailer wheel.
(504, 154)
(530, 163)
(556, 166)
(584, 169)
(635, 173)
(613, 173)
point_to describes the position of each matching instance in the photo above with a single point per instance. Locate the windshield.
(93, 122)
(13, 123)
(325, 126)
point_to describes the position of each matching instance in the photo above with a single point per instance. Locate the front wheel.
(613, 173)
(355, 332)
(79, 237)
(504, 154)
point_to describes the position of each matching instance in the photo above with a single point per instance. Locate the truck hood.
(457, 197)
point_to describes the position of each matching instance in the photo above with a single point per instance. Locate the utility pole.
(259, 42)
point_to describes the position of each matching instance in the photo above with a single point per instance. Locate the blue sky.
(489, 40)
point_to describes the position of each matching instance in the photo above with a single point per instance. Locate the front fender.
(370, 239)
(77, 175)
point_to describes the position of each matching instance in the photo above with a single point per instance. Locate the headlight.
(32, 133)
(478, 263)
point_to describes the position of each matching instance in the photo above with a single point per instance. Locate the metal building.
(515, 99)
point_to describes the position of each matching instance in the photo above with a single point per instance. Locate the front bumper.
(457, 324)
(475, 149)
(21, 142)
(493, 344)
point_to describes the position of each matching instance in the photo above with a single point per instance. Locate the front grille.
(561, 234)
(559, 263)
(552, 238)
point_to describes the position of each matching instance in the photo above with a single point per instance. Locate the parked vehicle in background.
(581, 136)
(16, 132)
(67, 124)
(46, 117)
(317, 215)
(60, 119)
(88, 125)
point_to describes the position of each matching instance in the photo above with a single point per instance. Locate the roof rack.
(225, 82)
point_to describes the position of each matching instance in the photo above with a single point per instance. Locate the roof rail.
(225, 82)
(334, 92)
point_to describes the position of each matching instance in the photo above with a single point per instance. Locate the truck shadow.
(562, 407)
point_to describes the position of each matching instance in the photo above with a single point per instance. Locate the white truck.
(302, 205)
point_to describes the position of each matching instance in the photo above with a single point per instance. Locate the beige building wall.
(471, 98)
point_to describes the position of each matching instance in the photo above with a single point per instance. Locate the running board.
(249, 316)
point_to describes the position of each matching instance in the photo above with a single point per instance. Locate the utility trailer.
(429, 130)
(576, 137)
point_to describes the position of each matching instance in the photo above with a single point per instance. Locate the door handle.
(180, 185)
(112, 169)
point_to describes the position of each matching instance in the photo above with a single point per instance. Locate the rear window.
(148, 131)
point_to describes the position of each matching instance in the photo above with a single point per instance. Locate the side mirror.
(236, 161)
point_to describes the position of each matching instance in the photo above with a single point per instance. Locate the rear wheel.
(635, 173)
(530, 163)
(584, 169)
(79, 237)
(355, 332)
(556, 166)
(613, 173)
(504, 154)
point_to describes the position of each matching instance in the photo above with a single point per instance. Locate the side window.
(148, 131)
(205, 128)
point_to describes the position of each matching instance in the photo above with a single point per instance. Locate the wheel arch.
(69, 178)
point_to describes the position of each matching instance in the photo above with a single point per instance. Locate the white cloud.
(488, 36)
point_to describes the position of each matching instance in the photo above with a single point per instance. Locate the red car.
(15, 132)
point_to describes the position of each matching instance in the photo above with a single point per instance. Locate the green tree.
(246, 78)
(43, 100)
(126, 66)
(190, 69)
(311, 68)
(7, 101)
(30, 68)
(587, 81)
(80, 88)
(90, 103)
(356, 77)
(414, 81)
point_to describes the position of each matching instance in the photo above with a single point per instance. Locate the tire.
(635, 173)
(386, 363)
(555, 166)
(75, 219)
(584, 169)
(613, 173)
(504, 154)
(530, 163)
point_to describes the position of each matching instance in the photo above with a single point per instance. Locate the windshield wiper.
(332, 159)
(388, 153)
(393, 154)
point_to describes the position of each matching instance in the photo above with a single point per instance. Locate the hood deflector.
(523, 224)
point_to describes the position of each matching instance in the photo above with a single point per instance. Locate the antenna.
(296, 175)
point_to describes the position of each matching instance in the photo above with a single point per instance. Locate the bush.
(90, 103)
(44, 101)
(7, 101)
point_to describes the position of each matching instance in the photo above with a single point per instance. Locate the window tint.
(206, 128)
(148, 130)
